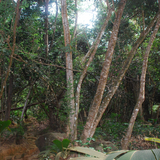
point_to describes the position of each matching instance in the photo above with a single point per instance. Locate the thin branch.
(25, 105)
(76, 19)
(29, 105)
(13, 48)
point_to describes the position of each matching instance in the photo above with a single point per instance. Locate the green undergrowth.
(114, 131)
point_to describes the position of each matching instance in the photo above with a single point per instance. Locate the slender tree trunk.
(142, 87)
(87, 132)
(46, 26)
(95, 46)
(76, 19)
(1, 77)
(9, 98)
(69, 71)
(11, 48)
(117, 81)
(25, 105)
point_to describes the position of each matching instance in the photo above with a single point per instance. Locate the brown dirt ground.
(9, 150)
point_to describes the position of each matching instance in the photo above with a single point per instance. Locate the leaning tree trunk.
(115, 84)
(25, 104)
(69, 71)
(92, 50)
(87, 132)
(142, 88)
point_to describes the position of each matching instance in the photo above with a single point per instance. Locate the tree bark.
(142, 88)
(25, 105)
(114, 86)
(69, 71)
(87, 132)
(9, 98)
(95, 46)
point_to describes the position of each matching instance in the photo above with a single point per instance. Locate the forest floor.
(12, 149)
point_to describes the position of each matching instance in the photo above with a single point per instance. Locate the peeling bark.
(142, 88)
(87, 132)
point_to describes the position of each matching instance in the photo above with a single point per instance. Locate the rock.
(46, 140)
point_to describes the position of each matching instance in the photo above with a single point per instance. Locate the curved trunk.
(87, 132)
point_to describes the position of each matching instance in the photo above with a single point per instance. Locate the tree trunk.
(87, 132)
(25, 105)
(9, 98)
(69, 71)
(2, 75)
(142, 88)
(94, 48)
(117, 81)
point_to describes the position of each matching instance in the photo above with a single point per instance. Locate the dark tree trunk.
(9, 98)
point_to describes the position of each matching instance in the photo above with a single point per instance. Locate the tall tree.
(69, 70)
(91, 52)
(116, 82)
(141, 96)
(88, 129)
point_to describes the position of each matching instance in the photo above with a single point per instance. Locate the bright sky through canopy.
(86, 13)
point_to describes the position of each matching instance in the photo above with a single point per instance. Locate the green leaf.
(143, 155)
(86, 158)
(4, 124)
(156, 153)
(152, 139)
(115, 154)
(127, 155)
(58, 144)
(65, 143)
(88, 151)
(135, 155)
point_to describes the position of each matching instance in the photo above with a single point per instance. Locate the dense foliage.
(42, 77)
